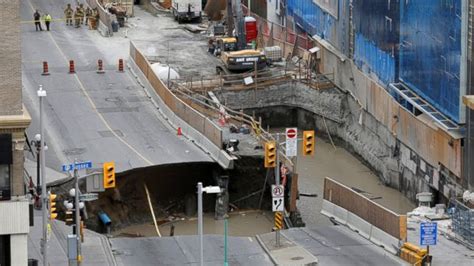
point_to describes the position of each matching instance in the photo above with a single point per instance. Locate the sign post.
(76, 166)
(278, 192)
(291, 141)
(428, 236)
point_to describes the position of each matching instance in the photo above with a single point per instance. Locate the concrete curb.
(220, 156)
(264, 247)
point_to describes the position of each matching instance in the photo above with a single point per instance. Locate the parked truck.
(187, 10)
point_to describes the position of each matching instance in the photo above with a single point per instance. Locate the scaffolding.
(463, 221)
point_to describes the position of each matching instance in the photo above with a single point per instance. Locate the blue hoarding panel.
(430, 51)
(317, 21)
(376, 26)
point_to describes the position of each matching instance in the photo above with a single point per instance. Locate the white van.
(186, 10)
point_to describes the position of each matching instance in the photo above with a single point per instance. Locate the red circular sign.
(291, 133)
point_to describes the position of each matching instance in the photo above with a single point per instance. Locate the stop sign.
(291, 133)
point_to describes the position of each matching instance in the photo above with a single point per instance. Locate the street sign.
(277, 191)
(428, 234)
(291, 141)
(78, 166)
(95, 183)
(278, 204)
(89, 197)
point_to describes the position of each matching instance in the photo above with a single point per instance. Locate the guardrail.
(199, 122)
(200, 102)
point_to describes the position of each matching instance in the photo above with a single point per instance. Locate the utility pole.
(78, 214)
(44, 195)
(200, 233)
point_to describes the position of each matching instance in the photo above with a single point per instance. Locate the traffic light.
(69, 218)
(52, 206)
(109, 175)
(308, 142)
(270, 154)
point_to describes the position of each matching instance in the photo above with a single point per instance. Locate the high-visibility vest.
(47, 18)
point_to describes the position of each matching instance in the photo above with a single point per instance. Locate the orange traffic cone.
(180, 132)
(72, 70)
(45, 69)
(120, 66)
(100, 67)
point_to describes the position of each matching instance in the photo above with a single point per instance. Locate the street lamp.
(37, 143)
(208, 190)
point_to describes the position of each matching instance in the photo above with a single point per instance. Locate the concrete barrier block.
(380, 238)
(359, 225)
(340, 214)
(327, 208)
(330, 209)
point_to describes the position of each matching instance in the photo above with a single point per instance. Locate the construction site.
(377, 96)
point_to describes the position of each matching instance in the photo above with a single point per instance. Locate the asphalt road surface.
(91, 116)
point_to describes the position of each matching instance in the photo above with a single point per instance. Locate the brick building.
(14, 119)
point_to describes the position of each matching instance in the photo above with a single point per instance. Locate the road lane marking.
(81, 85)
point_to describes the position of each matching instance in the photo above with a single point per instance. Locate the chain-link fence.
(462, 220)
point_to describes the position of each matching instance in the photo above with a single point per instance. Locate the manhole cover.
(297, 258)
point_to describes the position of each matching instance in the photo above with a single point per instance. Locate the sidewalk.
(287, 253)
(95, 249)
(325, 245)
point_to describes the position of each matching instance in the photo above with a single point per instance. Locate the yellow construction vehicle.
(235, 60)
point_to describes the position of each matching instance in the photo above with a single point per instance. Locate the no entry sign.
(291, 141)
(291, 133)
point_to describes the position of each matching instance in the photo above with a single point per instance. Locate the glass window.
(5, 186)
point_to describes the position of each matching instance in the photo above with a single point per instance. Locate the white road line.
(81, 85)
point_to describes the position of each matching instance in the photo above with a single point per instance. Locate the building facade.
(14, 119)
(407, 64)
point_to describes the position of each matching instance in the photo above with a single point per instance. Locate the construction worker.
(77, 17)
(37, 17)
(94, 19)
(68, 12)
(82, 13)
(88, 15)
(47, 20)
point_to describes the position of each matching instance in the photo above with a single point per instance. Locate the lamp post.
(208, 190)
(44, 196)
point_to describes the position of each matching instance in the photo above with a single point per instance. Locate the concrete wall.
(10, 74)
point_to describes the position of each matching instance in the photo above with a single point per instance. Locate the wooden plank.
(468, 100)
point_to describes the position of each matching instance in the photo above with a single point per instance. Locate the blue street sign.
(78, 166)
(428, 234)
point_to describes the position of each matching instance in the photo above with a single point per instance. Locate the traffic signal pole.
(78, 215)
(277, 182)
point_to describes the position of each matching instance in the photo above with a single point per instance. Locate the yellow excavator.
(235, 60)
(233, 51)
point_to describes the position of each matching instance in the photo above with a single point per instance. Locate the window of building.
(6, 160)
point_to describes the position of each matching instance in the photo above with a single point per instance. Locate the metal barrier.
(378, 216)
(195, 119)
(462, 220)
